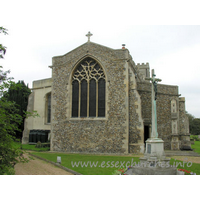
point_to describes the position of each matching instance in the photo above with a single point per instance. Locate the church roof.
(85, 45)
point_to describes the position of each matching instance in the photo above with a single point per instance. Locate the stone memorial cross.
(154, 81)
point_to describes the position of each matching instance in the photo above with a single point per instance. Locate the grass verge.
(33, 148)
(196, 147)
(189, 166)
(90, 164)
(105, 164)
(30, 147)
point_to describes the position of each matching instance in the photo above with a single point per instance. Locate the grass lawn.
(108, 167)
(30, 147)
(105, 165)
(196, 147)
(193, 167)
(33, 148)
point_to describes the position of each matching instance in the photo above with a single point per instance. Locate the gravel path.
(187, 158)
(38, 167)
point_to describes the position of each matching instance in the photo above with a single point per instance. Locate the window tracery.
(88, 90)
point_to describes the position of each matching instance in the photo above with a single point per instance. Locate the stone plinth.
(185, 142)
(154, 161)
(154, 154)
(154, 148)
(152, 171)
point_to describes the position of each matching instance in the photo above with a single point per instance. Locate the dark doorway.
(146, 134)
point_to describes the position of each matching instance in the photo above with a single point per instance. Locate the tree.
(195, 128)
(19, 93)
(194, 124)
(10, 154)
(3, 48)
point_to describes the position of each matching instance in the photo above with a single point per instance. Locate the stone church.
(98, 101)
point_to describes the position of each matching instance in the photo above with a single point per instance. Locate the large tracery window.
(88, 90)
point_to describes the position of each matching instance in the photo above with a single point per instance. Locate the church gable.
(88, 49)
(100, 117)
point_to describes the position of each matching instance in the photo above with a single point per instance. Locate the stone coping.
(152, 171)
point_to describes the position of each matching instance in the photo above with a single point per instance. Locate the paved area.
(170, 153)
(192, 159)
(38, 167)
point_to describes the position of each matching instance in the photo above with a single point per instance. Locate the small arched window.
(88, 90)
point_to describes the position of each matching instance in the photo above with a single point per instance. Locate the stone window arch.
(88, 89)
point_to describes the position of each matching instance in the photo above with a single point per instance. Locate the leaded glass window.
(88, 90)
(75, 98)
(101, 99)
(92, 98)
(49, 108)
(84, 99)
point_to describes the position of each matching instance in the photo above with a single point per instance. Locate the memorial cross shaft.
(154, 81)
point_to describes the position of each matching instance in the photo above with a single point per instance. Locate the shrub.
(42, 145)
(194, 138)
(8, 171)
(38, 145)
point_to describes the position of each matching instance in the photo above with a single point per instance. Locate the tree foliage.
(18, 93)
(10, 120)
(3, 48)
(194, 124)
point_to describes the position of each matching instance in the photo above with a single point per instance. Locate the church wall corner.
(136, 123)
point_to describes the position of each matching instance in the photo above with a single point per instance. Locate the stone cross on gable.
(89, 35)
(154, 81)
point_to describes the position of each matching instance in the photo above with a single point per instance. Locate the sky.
(166, 34)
